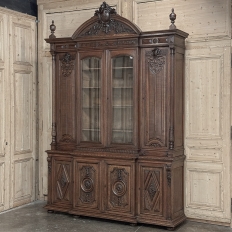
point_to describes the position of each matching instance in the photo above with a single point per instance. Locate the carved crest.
(105, 23)
(155, 60)
(67, 65)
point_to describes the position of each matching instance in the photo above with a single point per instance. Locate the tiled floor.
(34, 217)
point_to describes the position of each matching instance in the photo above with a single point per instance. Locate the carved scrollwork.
(67, 139)
(67, 65)
(155, 143)
(169, 174)
(155, 60)
(105, 24)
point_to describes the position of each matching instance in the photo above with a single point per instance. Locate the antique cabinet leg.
(133, 224)
(50, 211)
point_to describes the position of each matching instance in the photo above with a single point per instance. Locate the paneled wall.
(18, 108)
(207, 88)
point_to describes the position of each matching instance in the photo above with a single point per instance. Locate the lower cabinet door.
(151, 191)
(87, 190)
(120, 188)
(62, 182)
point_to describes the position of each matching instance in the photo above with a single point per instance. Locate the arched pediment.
(106, 22)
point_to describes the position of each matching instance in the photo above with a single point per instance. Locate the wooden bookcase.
(117, 140)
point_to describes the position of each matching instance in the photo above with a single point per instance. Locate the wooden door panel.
(23, 112)
(87, 185)
(4, 116)
(120, 187)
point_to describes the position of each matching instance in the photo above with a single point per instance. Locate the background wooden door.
(18, 112)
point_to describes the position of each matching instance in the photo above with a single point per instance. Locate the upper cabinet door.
(122, 95)
(90, 93)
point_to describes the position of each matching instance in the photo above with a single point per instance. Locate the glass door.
(122, 98)
(91, 99)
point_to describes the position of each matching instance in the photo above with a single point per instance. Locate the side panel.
(155, 94)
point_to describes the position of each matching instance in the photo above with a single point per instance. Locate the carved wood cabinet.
(117, 138)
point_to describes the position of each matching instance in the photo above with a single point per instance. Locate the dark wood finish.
(117, 138)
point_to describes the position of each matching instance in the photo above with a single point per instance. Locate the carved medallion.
(119, 180)
(155, 60)
(67, 65)
(87, 193)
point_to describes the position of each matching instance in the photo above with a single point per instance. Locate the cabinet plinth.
(117, 146)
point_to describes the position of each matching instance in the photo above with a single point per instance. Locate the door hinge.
(37, 21)
(231, 132)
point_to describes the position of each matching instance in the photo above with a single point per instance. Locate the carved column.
(49, 200)
(53, 144)
(172, 75)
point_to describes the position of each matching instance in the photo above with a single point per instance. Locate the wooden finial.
(52, 28)
(172, 17)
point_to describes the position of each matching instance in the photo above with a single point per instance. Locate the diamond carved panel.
(63, 182)
(152, 190)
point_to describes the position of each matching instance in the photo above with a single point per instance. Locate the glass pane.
(91, 94)
(122, 95)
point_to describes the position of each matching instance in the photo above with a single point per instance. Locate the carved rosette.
(119, 179)
(87, 193)
(152, 190)
(67, 65)
(156, 60)
(62, 181)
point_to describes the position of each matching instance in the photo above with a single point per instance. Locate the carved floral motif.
(155, 60)
(67, 65)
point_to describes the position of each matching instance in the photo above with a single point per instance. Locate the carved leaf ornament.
(155, 60)
(67, 65)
